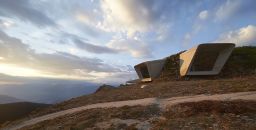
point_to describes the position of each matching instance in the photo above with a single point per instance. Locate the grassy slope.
(241, 62)
(209, 115)
(14, 111)
(159, 89)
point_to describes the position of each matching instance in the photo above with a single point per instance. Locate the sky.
(99, 41)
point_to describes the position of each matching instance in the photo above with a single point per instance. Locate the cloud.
(190, 35)
(83, 44)
(235, 8)
(85, 17)
(131, 16)
(242, 37)
(14, 51)
(93, 48)
(24, 11)
(6, 23)
(203, 15)
(136, 48)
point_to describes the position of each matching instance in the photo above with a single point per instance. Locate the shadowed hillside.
(14, 111)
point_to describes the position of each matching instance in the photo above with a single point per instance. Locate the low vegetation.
(241, 62)
(97, 118)
(171, 68)
(192, 115)
(209, 115)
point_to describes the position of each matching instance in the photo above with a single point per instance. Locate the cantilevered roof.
(205, 59)
(149, 70)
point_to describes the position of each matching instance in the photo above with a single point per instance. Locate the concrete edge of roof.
(145, 62)
(216, 43)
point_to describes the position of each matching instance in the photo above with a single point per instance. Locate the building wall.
(185, 60)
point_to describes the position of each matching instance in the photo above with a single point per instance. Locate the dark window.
(144, 71)
(204, 60)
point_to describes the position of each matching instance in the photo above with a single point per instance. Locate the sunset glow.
(14, 70)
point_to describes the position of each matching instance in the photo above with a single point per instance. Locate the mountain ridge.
(4, 99)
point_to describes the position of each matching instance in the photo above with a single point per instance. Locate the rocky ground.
(114, 118)
(160, 110)
(108, 117)
(193, 115)
(158, 89)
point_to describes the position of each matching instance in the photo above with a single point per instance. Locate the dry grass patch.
(89, 118)
(210, 115)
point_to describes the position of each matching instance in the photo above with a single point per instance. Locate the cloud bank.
(14, 51)
(242, 37)
(24, 11)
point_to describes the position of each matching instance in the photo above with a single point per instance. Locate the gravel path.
(163, 103)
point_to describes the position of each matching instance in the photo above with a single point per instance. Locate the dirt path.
(163, 103)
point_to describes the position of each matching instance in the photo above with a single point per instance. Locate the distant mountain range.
(8, 99)
(44, 90)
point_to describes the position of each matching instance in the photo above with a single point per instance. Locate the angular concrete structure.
(149, 70)
(205, 59)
